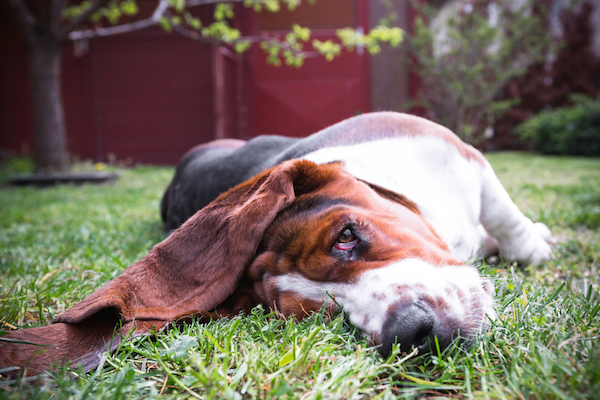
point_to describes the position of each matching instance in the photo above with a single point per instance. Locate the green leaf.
(223, 11)
(192, 21)
(165, 24)
(178, 5)
(181, 346)
(301, 33)
(241, 46)
(242, 370)
(129, 7)
(287, 358)
(327, 48)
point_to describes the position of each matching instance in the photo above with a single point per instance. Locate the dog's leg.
(518, 237)
(489, 244)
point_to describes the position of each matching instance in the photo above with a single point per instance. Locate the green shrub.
(571, 130)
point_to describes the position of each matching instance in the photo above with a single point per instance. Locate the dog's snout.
(410, 326)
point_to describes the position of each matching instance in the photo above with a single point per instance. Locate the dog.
(377, 215)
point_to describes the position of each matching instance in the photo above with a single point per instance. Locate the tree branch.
(55, 16)
(160, 10)
(43, 14)
(192, 3)
(23, 19)
(283, 44)
(253, 39)
(195, 35)
(80, 20)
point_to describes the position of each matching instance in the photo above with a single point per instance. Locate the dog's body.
(376, 214)
(453, 185)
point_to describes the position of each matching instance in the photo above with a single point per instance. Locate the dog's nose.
(412, 325)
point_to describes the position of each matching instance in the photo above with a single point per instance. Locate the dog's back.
(210, 169)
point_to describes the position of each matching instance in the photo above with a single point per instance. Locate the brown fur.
(191, 272)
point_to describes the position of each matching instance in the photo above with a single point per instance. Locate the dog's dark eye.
(346, 236)
(346, 240)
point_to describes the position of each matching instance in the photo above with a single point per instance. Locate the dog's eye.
(346, 240)
(346, 236)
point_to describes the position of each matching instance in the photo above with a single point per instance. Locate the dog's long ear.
(189, 273)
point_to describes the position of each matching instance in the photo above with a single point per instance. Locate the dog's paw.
(532, 247)
(545, 233)
(540, 254)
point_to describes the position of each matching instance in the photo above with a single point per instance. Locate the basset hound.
(378, 214)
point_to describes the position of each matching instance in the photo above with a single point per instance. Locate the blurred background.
(149, 95)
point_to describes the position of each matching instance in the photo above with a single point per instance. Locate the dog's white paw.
(533, 246)
(545, 233)
(541, 253)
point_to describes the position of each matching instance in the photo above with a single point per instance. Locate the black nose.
(411, 325)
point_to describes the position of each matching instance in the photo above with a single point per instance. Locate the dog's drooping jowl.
(378, 214)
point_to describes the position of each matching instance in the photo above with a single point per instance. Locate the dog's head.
(291, 238)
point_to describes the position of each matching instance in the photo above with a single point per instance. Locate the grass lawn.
(58, 245)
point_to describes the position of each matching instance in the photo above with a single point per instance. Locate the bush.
(571, 130)
(467, 51)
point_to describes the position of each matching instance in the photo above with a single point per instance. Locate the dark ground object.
(45, 180)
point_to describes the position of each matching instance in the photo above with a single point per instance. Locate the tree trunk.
(50, 151)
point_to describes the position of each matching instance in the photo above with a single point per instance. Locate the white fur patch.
(368, 299)
(455, 195)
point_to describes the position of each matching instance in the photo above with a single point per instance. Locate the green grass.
(58, 245)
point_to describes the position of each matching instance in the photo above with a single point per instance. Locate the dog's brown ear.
(189, 273)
